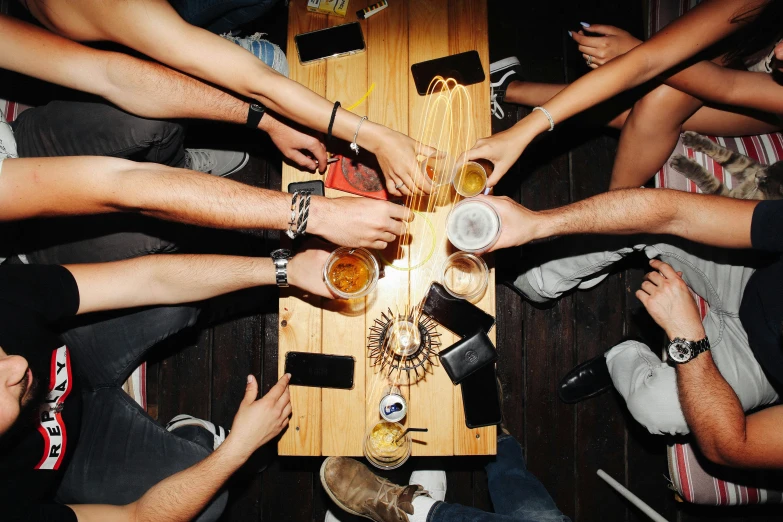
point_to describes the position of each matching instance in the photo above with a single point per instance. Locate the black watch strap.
(254, 115)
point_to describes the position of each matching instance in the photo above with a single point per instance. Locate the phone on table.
(481, 398)
(320, 370)
(465, 67)
(315, 187)
(335, 41)
(460, 316)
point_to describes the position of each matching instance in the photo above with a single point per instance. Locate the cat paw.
(680, 163)
(695, 141)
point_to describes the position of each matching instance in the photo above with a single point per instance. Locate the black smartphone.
(328, 43)
(466, 68)
(460, 316)
(320, 370)
(481, 398)
(316, 187)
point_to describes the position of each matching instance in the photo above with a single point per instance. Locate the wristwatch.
(280, 258)
(254, 115)
(681, 351)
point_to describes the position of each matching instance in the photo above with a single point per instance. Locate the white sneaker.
(216, 162)
(434, 481)
(330, 517)
(7, 141)
(180, 421)
(501, 73)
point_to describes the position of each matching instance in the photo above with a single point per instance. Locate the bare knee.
(662, 109)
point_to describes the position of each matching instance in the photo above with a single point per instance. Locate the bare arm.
(706, 24)
(46, 187)
(154, 28)
(712, 220)
(183, 495)
(711, 408)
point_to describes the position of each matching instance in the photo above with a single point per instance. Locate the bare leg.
(650, 134)
(532, 93)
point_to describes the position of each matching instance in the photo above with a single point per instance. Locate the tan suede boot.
(361, 492)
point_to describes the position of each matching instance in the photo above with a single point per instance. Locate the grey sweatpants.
(648, 384)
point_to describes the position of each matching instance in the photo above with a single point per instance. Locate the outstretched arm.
(184, 495)
(154, 28)
(706, 24)
(712, 220)
(144, 88)
(46, 187)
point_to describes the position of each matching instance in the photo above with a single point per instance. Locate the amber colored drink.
(349, 274)
(470, 180)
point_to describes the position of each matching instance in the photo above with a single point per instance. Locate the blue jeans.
(221, 16)
(516, 494)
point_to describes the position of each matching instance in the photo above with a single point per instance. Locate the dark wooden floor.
(565, 444)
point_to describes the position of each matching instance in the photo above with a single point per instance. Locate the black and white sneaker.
(502, 73)
(183, 420)
(216, 162)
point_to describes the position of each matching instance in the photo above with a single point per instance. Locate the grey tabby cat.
(756, 181)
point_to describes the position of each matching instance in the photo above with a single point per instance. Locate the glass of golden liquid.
(386, 447)
(351, 273)
(470, 178)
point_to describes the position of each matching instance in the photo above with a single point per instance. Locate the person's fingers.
(589, 51)
(287, 411)
(648, 287)
(589, 41)
(391, 187)
(596, 60)
(664, 268)
(642, 296)
(284, 399)
(497, 174)
(395, 227)
(388, 237)
(319, 151)
(655, 278)
(428, 152)
(284, 423)
(477, 152)
(251, 390)
(279, 388)
(302, 160)
(593, 66)
(606, 30)
(405, 190)
(400, 212)
(378, 245)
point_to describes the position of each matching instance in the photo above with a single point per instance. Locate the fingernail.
(288, 376)
(584, 24)
(249, 379)
(570, 34)
(486, 192)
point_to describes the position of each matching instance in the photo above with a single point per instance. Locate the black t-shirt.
(36, 451)
(761, 311)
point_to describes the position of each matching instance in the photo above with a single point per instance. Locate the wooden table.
(333, 422)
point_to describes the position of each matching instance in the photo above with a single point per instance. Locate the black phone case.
(485, 378)
(316, 187)
(460, 316)
(318, 356)
(465, 67)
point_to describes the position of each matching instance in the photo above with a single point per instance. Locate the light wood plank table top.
(334, 422)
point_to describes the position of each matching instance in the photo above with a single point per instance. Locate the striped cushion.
(686, 466)
(694, 484)
(136, 385)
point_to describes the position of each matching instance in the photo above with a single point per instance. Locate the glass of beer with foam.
(473, 225)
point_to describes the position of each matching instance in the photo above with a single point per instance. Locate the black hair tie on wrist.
(331, 124)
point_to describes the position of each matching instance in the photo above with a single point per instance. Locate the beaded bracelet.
(548, 117)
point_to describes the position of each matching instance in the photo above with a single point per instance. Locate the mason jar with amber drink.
(350, 273)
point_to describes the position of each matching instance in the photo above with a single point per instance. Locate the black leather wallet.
(467, 356)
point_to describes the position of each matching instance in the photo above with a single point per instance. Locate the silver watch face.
(680, 351)
(281, 253)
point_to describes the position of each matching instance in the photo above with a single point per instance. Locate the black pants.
(122, 451)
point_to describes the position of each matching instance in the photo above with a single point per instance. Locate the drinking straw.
(410, 429)
(636, 501)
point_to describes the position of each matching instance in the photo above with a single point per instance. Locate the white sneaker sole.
(329, 492)
(238, 167)
(505, 63)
